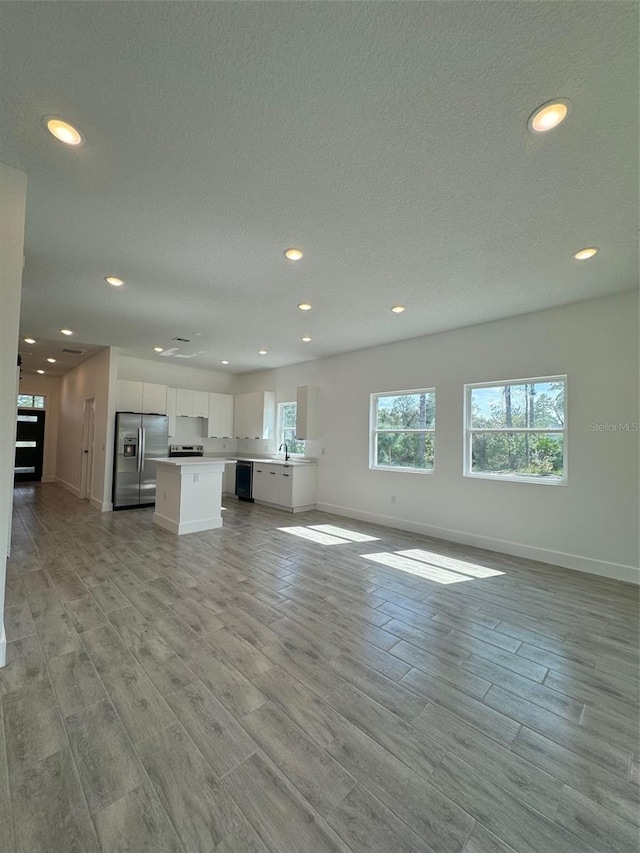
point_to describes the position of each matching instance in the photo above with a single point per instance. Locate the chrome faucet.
(286, 451)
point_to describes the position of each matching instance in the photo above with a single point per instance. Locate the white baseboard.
(101, 506)
(3, 645)
(48, 480)
(615, 571)
(186, 526)
(73, 489)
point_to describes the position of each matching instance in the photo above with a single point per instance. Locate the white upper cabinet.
(184, 403)
(226, 415)
(128, 396)
(154, 398)
(255, 415)
(200, 404)
(146, 397)
(171, 410)
(220, 418)
(307, 412)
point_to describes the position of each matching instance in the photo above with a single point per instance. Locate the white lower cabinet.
(290, 487)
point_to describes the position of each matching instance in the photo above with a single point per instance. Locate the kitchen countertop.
(194, 460)
(290, 463)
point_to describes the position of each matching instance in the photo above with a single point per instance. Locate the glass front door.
(29, 445)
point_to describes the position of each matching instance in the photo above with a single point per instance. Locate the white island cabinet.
(189, 493)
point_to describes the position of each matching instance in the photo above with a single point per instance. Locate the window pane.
(518, 454)
(289, 438)
(38, 402)
(530, 404)
(25, 444)
(25, 400)
(405, 450)
(406, 411)
(28, 419)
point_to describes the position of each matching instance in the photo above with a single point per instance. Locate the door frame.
(88, 446)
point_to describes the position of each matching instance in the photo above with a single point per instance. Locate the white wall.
(166, 372)
(49, 388)
(13, 188)
(93, 378)
(590, 524)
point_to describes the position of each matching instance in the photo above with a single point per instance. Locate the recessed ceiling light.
(63, 131)
(549, 115)
(66, 331)
(158, 349)
(304, 306)
(585, 254)
(39, 371)
(51, 360)
(262, 352)
(293, 254)
(112, 280)
(398, 309)
(224, 361)
(29, 340)
(306, 339)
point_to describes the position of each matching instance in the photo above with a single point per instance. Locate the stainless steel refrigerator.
(139, 440)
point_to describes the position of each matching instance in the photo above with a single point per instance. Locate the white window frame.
(469, 432)
(280, 428)
(374, 431)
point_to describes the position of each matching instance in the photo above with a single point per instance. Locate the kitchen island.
(189, 493)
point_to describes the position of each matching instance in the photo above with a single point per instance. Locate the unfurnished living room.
(319, 427)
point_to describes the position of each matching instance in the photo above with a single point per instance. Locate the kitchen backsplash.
(189, 431)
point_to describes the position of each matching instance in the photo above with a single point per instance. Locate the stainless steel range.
(186, 450)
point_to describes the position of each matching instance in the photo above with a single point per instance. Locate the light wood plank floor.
(306, 684)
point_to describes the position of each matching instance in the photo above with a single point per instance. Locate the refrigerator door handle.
(144, 448)
(140, 448)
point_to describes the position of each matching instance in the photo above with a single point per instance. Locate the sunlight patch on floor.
(451, 563)
(316, 536)
(351, 535)
(451, 571)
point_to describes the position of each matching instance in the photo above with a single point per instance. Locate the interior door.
(88, 432)
(126, 482)
(29, 445)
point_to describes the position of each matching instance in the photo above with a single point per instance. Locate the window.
(287, 428)
(516, 430)
(29, 401)
(403, 430)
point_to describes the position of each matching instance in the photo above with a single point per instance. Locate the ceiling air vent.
(74, 351)
(182, 340)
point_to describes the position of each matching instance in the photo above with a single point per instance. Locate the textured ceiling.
(388, 140)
